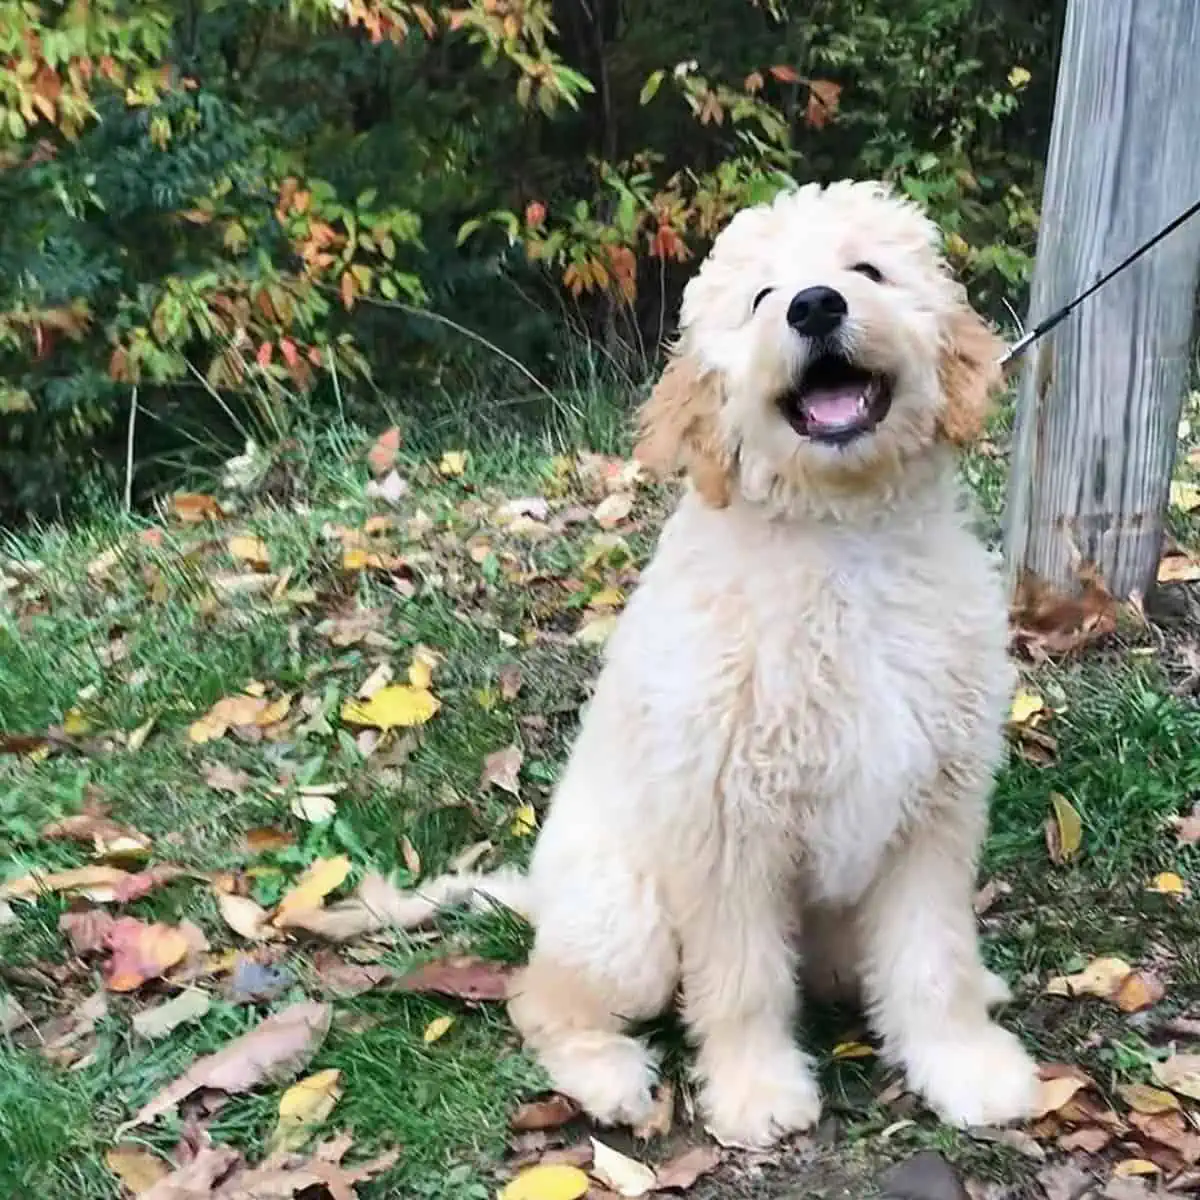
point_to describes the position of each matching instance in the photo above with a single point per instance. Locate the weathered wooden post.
(1100, 397)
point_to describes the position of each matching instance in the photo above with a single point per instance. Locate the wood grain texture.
(1100, 396)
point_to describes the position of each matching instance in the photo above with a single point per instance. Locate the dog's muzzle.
(836, 401)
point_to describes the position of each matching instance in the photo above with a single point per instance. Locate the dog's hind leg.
(601, 959)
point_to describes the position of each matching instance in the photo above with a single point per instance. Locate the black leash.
(1043, 327)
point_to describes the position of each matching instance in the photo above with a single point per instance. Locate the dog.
(786, 762)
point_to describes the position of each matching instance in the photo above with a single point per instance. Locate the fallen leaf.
(398, 706)
(273, 1051)
(625, 1175)
(1091, 1139)
(321, 877)
(196, 1178)
(134, 887)
(596, 629)
(412, 860)
(1137, 991)
(303, 1107)
(1025, 705)
(1143, 1098)
(1187, 829)
(136, 1168)
(1180, 1074)
(524, 821)
(250, 549)
(1171, 1130)
(12, 1015)
(1185, 496)
(925, 1176)
(86, 930)
(244, 916)
(453, 462)
(343, 979)
(547, 1182)
(96, 883)
(109, 839)
(551, 1111)
(263, 838)
(681, 1172)
(502, 768)
(1178, 568)
(1053, 1094)
(193, 507)
(140, 952)
(228, 711)
(437, 1029)
(1167, 883)
(192, 1004)
(223, 778)
(1100, 978)
(136, 738)
(1064, 830)
(1065, 1181)
(383, 453)
(315, 809)
(612, 510)
(1135, 1166)
(1048, 623)
(510, 682)
(465, 977)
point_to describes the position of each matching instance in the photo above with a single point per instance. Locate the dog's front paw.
(979, 1076)
(752, 1101)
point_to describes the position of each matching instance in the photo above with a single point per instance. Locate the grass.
(150, 638)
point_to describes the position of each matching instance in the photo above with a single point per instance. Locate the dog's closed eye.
(760, 298)
(870, 270)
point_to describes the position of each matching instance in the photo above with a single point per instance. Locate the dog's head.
(823, 339)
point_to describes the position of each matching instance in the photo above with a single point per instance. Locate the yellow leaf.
(303, 1107)
(852, 1050)
(956, 245)
(137, 737)
(1018, 77)
(1101, 977)
(275, 711)
(354, 559)
(396, 706)
(137, 1169)
(609, 597)
(453, 462)
(1184, 495)
(1025, 705)
(322, 876)
(547, 1181)
(1067, 829)
(230, 710)
(1178, 568)
(624, 1175)
(420, 670)
(250, 549)
(1135, 1166)
(524, 821)
(75, 724)
(596, 629)
(437, 1028)
(1143, 1098)
(1054, 1093)
(1168, 884)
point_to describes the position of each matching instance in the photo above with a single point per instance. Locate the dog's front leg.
(740, 1001)
(927, 988)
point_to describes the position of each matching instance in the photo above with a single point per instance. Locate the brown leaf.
(223, 778)
(193, 507)
(1091, 1139)
(823, 96)
(134, 887)
(784, 73)
(1170, 1130)
(195, 1180)
(382, 455)
(925, 1176)
(140, 952)
(552, 1111)
(264, 837)
(274, 1051)
(109, 839)
(502, 769)
(681, 1172)
(97, 883)
(1050, 624)
(510, 682)
(86, 930)
(136, 1168)
(342, 979)
(1137, 991)
(245, 916)
(1187, 829)
(285, 1175)
(464, 977)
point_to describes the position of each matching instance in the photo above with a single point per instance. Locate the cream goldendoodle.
(786, 763)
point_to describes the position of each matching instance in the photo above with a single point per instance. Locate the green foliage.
(210, 206)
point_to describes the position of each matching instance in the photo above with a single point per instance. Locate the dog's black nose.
(816, 311)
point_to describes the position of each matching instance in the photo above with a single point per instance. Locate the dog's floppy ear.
(968, 371)
(678, 427)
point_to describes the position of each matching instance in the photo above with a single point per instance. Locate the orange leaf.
(263, 357)
(141, 952)
(348, 290)
(823, 97)
(753, 82)
(382, 454)
(784, 73)
(194, 507)
(288, 349)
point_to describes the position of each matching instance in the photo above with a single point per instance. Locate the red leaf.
(465, 977)
(287, 348)
(784, 73)
(263, 357)
(140, 952)
(87, 930)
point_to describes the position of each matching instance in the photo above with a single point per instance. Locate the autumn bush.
(216, 213)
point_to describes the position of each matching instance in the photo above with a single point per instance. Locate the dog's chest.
(862, 684)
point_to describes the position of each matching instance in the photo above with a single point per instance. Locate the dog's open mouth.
(836, 401)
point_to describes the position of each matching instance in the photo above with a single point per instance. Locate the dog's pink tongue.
(834, 405)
